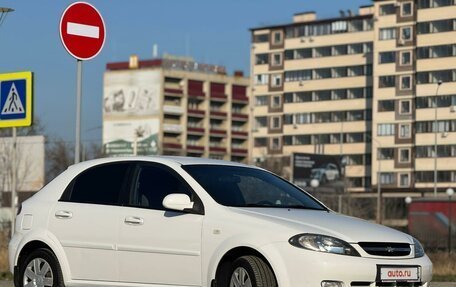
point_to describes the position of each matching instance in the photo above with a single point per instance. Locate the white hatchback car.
(171, 221)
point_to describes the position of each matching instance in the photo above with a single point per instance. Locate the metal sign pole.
(13, 184)
(78, 112)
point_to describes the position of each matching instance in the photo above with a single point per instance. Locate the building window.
(387, 178)
(387, 81)
(261, 38)
(406, 82)
(387, 9)
(277, 38)
(405, 107)
(386, 106)
(387, 34)
(276, 123)
(276, 80)
(406, 33)
(261, 101)
(261, 122)
(276, 101)
(387, 57)
(276, 59)
(404, 131)
(385, 153)
(275, 144)
(404, 155)
(407, 9)
(406, 58)
(404, 180)
(260, 142)
(261, 79)
(385, 129)
(261, 59)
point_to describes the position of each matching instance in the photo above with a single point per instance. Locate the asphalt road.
(433, 284)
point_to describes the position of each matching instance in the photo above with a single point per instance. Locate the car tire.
(42, 266)
(254, 269)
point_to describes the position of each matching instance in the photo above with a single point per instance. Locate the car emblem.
(390, 249)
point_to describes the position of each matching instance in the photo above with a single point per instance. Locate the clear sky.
(212, 31)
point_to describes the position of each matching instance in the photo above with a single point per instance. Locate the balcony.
(196, 113)
(172, 146)
(239, 151)
(217, 149)
(174, 91)
(239, 134)
(240, 117)
(195, 130)
(172, 128)
(172, 109)
(240, 99)
(218, 114)
(195, 148)
(218, 132)
(219, 97)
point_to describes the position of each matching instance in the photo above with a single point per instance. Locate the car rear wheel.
(40, 269)
(251, 271)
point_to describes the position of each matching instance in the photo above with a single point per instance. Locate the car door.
(158, 246)
(85, 221)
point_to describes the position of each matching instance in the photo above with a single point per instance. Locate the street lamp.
(450, 193)
(3, 12)
(379, 174)
(435, 137)
(408, 200)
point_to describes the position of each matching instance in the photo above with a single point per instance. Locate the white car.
(172, 221)
(326, 172)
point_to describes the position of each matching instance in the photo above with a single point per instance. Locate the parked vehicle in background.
(175, 221)
(326, 172)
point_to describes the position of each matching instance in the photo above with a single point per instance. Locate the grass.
(444, 266)
(4, 273)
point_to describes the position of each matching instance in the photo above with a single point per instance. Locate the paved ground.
(433, 284)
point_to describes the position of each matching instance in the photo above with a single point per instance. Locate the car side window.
(101, 184)
(153, 184)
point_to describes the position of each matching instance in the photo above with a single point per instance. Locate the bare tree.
(59, 156)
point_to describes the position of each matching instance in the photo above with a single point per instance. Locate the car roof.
(181, 160)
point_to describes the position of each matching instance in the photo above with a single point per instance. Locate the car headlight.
(419, 250)
(323, 243)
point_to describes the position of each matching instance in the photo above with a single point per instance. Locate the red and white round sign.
(82, 30)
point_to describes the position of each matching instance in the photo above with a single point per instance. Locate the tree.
(59, 156)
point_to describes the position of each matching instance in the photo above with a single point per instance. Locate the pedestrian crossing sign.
(16, 99)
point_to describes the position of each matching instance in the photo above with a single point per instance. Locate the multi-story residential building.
(376, 88)
(414, 52)
(175, 106)
(312, 91)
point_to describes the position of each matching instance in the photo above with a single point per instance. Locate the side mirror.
(177, 201)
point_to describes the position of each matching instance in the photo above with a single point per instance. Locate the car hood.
(349, 229)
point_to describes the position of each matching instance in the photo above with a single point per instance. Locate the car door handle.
(63, 214)
(134, 220)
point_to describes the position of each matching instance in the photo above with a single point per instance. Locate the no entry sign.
(82, 30)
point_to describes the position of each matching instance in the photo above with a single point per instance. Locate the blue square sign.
(13, 100)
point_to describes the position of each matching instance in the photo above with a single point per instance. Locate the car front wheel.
(251, 271)
(40, 269)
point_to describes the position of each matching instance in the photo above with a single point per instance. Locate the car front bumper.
(299, 267)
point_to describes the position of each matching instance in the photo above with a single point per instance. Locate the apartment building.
(376, 88)
(414, 95)
(312, 92)
(175, 106)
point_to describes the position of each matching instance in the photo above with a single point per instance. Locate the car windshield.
(250, 187)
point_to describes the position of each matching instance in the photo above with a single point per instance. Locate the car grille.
(386, 249)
